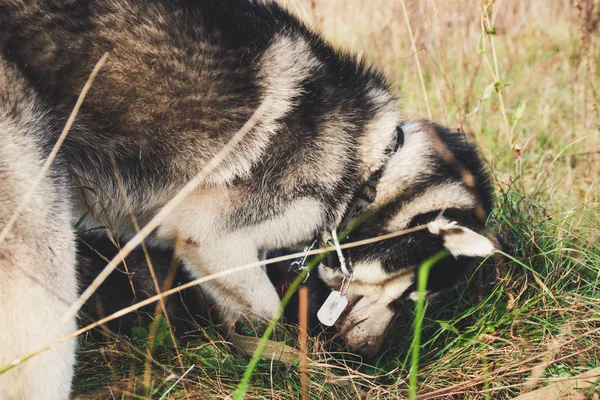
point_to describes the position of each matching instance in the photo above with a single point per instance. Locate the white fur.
(29, 314)
(379, 131)
(370, 272)
(212, 248)
(461, 241)
(449, 195)
(237, 294)
(297, 224)
(37, 264)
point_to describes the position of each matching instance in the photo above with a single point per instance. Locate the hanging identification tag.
(333, 307)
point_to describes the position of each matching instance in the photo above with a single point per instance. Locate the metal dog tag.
(333, 307)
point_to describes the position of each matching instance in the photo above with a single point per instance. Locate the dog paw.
(245, 320)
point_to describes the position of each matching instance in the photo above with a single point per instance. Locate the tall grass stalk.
(423, 276)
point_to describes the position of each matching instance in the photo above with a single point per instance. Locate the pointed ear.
(461, 241)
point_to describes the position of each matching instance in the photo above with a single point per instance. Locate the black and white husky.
(182, 77)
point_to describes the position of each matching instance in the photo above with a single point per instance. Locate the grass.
(521, 78)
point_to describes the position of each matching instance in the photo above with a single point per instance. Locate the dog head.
(435, 184)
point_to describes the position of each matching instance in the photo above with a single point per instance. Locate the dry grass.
(541, 320)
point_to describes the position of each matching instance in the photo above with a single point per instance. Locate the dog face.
(435, 183)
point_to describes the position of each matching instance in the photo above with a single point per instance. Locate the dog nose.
(368, 348)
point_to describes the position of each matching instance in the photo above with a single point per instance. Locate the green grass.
(532, 314)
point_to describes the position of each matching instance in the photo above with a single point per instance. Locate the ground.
(521, 77)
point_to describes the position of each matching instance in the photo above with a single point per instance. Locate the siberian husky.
(182, 77)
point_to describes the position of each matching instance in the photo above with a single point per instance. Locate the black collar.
(367, 192)
(364, 197)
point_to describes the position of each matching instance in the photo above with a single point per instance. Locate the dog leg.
(244, 296)
(37, 255)
(37, 285)
(29, 314)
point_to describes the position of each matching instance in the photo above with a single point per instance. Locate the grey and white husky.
(182, 77)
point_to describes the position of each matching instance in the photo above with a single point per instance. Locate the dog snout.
(365, 326)
(365, 338)
(368, 348)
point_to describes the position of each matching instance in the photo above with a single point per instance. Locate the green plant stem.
(242, 388)
(423, 275)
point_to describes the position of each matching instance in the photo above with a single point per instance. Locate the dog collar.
(359, 203)
(336, 302)
(366, 194)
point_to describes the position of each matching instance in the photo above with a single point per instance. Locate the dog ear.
(461, 241)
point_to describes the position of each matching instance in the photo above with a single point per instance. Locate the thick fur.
(181, 79)
(37, 259)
